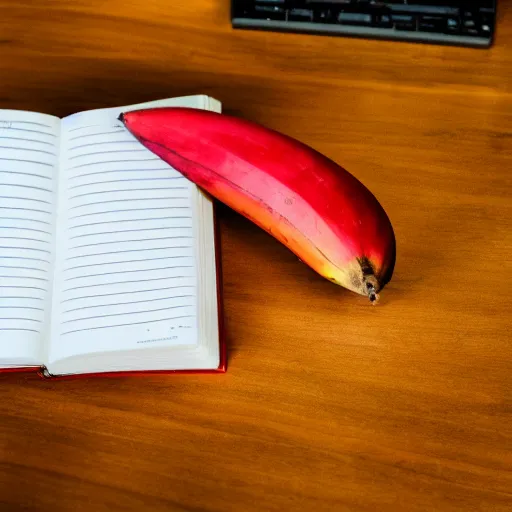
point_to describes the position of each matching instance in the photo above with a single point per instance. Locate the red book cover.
(21, 369)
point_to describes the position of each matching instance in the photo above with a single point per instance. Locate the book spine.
(220, 291)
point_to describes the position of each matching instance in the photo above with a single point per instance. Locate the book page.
(126, 270)
(29, 148)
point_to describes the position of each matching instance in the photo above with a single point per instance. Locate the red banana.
(317, 209)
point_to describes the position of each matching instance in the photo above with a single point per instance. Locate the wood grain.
(328, 404)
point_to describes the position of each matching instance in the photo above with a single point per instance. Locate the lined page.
(29, 145)
(126, 271)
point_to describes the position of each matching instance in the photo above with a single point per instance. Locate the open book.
(107, 254)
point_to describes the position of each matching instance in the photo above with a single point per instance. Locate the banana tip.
(121, 117)
(372, 294)
(374, 297)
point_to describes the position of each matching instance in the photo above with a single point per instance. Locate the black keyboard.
(461, 23)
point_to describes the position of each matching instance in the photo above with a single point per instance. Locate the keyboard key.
(382, 20)
(354, 18)
(432, 23)
(425, 9)
(470, 31)
(486, 24)
(403, 17)
(269, 12)
(452, 25)
(468, 14)
(300, 15)
(404, 22)
(405, 26)
(323, 16)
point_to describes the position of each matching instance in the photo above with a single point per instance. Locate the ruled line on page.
(118, 170)
(24, 209)
(26, 229)
(4, 318)
(126, 200)
(18, 329)
(31, 174)
(34, 123)
(86, 276)
(127, 303)
(22, 287)
(51, 153)
(25, 161)
(131, 241)
(83, 127)
(127, 313)
(32, 187)
(167, 288)
(25, 277)
(25, 249)
(16, 267)
(103, 143)
(159, 189)
(27, 220)
(25, 199)
(11, 297)
(138, 160)
(100, 233)
(117, 221)
(22, 307)
(126, 180)
(23, 238)
(21, 319)
(123, 282)
(21, 257)
(124, 262)
(131, 210)
(129, 324)
(23, 139)
(26, 130)
(129, 250)
(114, 151)
(95, 134)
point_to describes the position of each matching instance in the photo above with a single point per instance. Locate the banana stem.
(370, 281)
(372, 294)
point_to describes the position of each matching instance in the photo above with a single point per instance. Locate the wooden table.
(329, 403)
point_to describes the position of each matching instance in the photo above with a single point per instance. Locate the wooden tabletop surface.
(329, 404)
